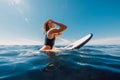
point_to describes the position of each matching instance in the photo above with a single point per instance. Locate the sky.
(21, 20)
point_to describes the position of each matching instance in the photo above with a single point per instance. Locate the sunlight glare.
(16, 1)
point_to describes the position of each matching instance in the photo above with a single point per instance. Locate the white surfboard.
(75, 45)
(79, 43)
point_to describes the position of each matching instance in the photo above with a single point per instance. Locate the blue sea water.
(88, 63)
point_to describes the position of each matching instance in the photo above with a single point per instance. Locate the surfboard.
(75, 45)
(79, 43)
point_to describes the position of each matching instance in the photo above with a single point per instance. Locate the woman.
(51, 33)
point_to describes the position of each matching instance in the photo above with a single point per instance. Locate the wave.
(88, 63)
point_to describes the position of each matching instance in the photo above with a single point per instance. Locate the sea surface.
(23, 62)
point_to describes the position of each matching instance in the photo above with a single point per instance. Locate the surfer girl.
(51, 33)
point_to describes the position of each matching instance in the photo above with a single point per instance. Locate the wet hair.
(45, 27)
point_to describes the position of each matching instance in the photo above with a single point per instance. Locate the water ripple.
(89, 63)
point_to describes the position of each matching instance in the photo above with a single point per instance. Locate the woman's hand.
(51, 21)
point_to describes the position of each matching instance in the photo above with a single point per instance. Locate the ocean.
(25, 62)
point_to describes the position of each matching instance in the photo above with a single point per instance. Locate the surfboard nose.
(79, 43)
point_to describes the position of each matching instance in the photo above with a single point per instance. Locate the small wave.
(101, 67)
(88, 63)
(30, 53)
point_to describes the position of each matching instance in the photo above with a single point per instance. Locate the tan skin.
(53, 32)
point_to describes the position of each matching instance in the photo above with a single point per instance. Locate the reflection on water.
(88, 63)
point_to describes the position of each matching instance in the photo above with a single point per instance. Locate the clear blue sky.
(22, 19)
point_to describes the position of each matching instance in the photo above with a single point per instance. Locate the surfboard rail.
(79, 43)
